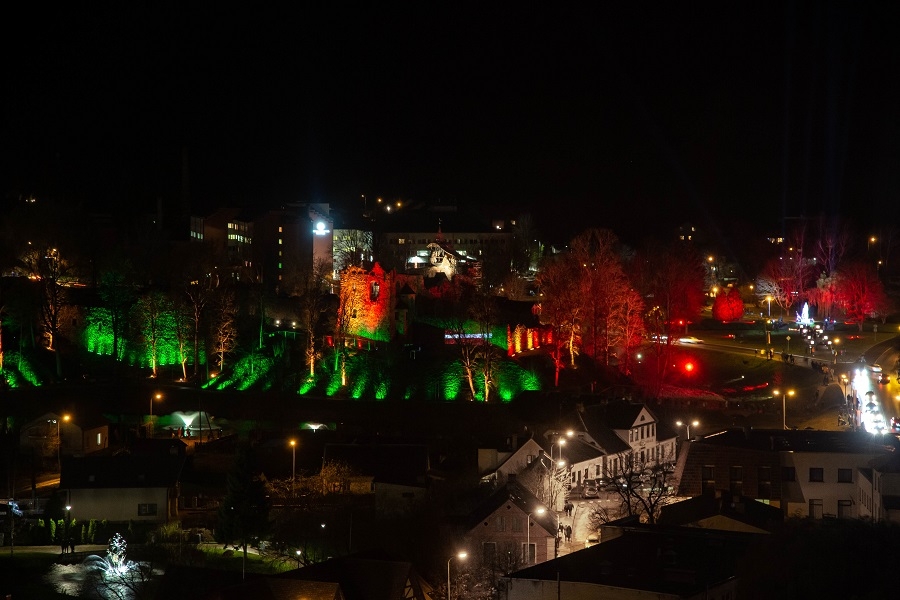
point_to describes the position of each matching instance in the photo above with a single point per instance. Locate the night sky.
(634, 116)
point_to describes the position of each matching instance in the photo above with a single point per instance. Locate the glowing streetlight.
(539, 511)
(58, 439)
(298, 559)
(293, 465)
(769, 300)
(157, 396)
(687, 426)
(783, 405)
(460, 556)
(559, 444)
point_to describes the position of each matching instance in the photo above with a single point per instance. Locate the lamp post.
(293, 464)
(539, 511)
(298, 559)
(156, 396)
(687, 426)
(460, 556)
(56, 422)
(784, 405)
(559, 444)
(769, 300)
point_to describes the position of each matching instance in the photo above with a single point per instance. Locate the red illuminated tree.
(728, 305)
(859, 292)
(602, 287)
(559, 309)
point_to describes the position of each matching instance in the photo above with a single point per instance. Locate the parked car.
(590, 490)
(895, 425)
(884, 379)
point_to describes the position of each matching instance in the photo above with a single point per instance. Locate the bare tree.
(560, 310)
(311, 290)
(352, 248)
(224, 330)
(643, 487)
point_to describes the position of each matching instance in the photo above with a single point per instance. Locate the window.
(845, 508)
(816, 474)
(815, 509)
(736, 476)
(528, 551)
(147, 510)
(788, 474)
(99, 439)
(517, 525)
(374, 290)
(845, 476)
(708, 479)
(500, 524)
(764, 485)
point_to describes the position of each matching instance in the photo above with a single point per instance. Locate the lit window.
(279, 241)
(99, 439)
(279, 229)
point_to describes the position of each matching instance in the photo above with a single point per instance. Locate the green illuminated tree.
(484, 313)
(117, 293)
(154, 314)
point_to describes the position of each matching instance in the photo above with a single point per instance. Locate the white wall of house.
(120, 504)
(825, 484)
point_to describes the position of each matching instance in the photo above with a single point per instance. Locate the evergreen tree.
(244, 512)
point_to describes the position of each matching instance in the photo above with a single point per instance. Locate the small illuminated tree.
(224, 331)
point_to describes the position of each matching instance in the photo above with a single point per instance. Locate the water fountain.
(112, 576)
(803, 316)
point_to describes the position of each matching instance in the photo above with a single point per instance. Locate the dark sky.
(629, 115)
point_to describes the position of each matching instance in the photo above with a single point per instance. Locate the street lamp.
(293, 464)
(298, 559)
(58, 442)
(783, 405)
(460, 556)
(156, 396)
(687, 426)
(559, 444)
(769, 300)
(539, 511)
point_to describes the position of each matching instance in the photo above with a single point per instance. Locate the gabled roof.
(373, 575)
(122, 471)
(516, 495)
(743, 510)
(406, 464)
(803, 440)
(682, 562)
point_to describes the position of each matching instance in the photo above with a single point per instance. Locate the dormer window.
(374, 290)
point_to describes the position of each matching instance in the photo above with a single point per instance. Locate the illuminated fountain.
(112, 576)
(195, 423)
(803, 316)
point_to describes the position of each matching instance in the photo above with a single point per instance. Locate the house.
(805, 473)
(641, 561)
(606, 438)
(70, 435)
(878, 490)
(495, 465)
(397, 474)
(509, 529)
(123, 487)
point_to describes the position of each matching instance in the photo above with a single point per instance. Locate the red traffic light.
(689, 367)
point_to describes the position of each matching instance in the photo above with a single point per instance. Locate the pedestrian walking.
(63, 546)
(560, 531)
(72, 545)
(568, 532)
